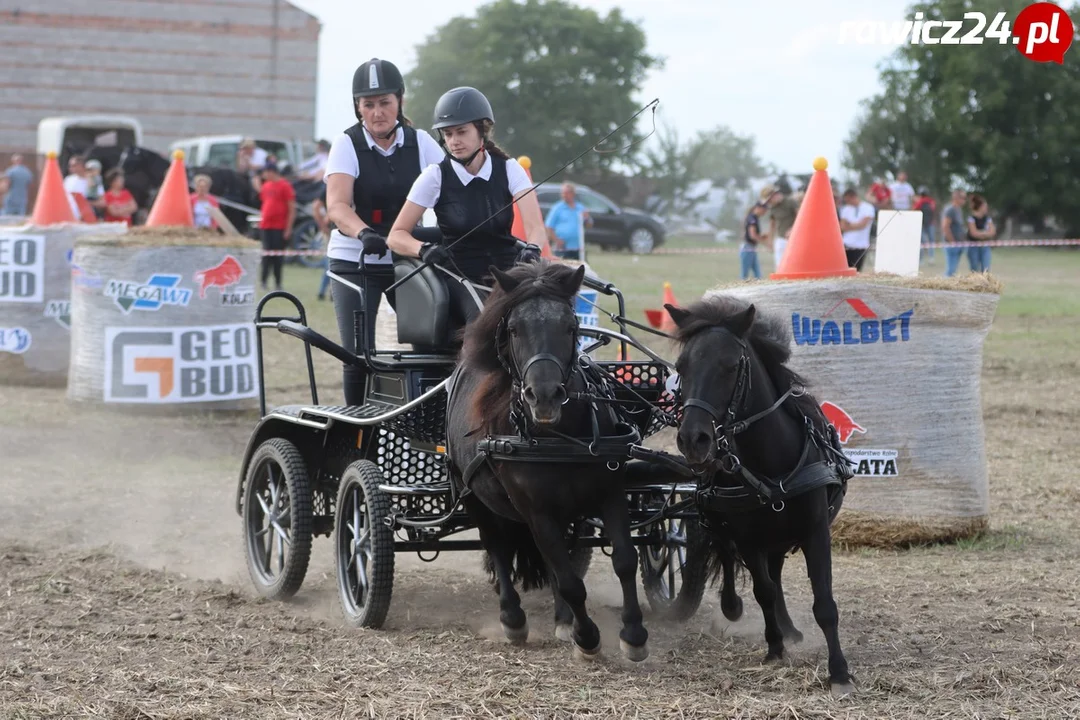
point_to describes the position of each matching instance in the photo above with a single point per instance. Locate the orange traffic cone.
(668, 324)
(52, 206)
(517, 229)
(173, 203)
(816, 246)
(661, 319)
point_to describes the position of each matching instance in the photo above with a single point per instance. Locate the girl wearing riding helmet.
(369, 171)
(470, 184)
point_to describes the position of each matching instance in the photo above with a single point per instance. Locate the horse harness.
(524, 446)
(747, 490)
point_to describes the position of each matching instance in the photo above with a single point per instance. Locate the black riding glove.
(374, 243)
(435, 254)
(529, 254)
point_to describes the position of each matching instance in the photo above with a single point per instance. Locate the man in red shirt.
(278, 211)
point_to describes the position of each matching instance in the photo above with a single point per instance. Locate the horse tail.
(528, 567)
(719, 552)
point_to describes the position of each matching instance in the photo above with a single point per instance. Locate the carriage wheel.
(673, 568)
(364, 546)
(277, 519)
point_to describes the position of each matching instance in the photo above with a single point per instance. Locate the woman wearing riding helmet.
(471, 184)
(369, 171)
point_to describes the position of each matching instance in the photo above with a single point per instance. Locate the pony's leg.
(624, 560)
(730, 602)
(776, 567)
(564, 616)
(552, 545)
(818, 555)
(765, 594)
(514, 623)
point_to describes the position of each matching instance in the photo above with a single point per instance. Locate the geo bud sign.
(180, 364)
(22, 268)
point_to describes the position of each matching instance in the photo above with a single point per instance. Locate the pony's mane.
(769, 336)
(480, 350)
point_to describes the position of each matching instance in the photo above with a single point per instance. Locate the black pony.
(774, 475)
(518, 393)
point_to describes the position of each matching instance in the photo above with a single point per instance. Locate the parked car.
(220, 150)
(613, 227)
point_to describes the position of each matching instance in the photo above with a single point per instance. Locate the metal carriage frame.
(391, 449)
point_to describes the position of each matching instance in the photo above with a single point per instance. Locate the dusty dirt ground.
(124, 595)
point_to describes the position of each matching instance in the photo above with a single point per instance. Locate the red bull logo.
(844, 424)
(227, 272)
(867, 462)
(870, 329)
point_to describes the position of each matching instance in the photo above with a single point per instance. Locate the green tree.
(982, 116)
(559, 78)
(724, 158)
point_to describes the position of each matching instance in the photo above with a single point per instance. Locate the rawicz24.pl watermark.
(1041, 32)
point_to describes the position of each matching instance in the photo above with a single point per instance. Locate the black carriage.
(374, 477)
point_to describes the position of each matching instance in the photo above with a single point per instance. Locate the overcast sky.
(777, 73)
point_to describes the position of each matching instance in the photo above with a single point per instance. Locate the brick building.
(180, 67)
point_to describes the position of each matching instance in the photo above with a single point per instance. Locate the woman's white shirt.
(427, 188)
(342, 159)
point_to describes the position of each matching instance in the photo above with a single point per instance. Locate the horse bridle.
(725, 424)
(510, 365)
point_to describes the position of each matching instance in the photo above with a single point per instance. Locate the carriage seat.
(423, 309)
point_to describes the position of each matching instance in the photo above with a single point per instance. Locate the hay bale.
(896, 363)
(35, 294)
(162, 319)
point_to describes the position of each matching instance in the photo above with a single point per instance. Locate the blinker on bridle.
(518, 378)
(725, 425)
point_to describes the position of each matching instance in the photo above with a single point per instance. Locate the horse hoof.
(587, 655)
(564, 633)
(734, 612)
(634, 654)
(516, 636)
(842, 689)
(773, 658)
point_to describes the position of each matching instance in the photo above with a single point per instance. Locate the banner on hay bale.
(36, 269)
(165, 317)
(895, 365)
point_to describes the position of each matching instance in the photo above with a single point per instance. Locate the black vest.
(461, 207)
(384, 182)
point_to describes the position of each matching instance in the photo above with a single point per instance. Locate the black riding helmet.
(378, 77)
(461, 106)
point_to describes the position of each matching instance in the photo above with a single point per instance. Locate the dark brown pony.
(519, 375)
(775, 476)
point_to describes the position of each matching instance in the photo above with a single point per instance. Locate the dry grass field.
(124, 594)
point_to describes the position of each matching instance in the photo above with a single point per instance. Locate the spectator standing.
(18, 178)
(752, 237)
(879, 195)
(118, 204)
(926, 205)
(855, 218)
(314, 168)
(782, 209)
(202, 201)
(563, 223)
(278, 211)
(980, 229)
(953, 230)
(901, 192)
